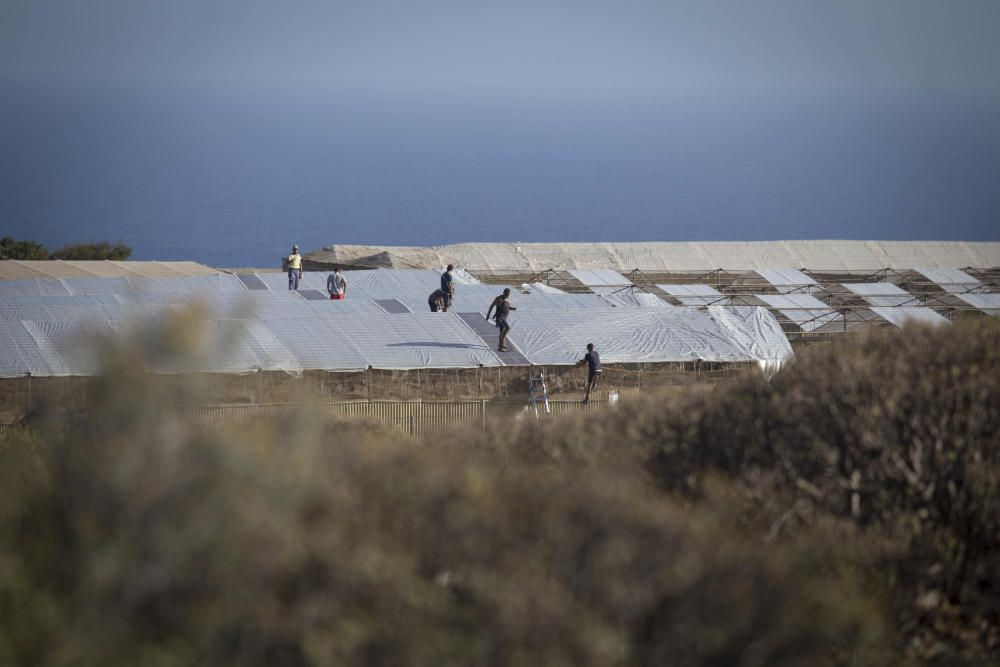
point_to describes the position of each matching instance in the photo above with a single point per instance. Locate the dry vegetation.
(844, 513)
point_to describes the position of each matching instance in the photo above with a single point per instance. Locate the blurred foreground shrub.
(896, 437)
(140, 539)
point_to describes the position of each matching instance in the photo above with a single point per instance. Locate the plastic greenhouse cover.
(33, 287)
(788, 280)
(881, 294)
(542, 287)
(428, 279)
(649, 335)
(310, 340)
(598, 277)
(756, 331)
(988, 303)
(628, 296)
(900, 315)
(696, 256)
(950, 280)
(804, 309)
(695, 295)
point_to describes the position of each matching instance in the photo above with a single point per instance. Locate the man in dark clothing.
(503, 310)
(436, 301)
(593, 361)
(448, 286)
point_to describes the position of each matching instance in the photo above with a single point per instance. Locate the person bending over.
(436, 301)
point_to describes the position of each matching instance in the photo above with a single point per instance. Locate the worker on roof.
(593, 361)
(336, 285)
(436, 301)
(502, 304)
(448, 286)
(293, 263)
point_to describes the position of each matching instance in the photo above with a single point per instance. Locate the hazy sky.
(219, 130)
(506, 47)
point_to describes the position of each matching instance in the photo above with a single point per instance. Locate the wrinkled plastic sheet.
(301, 338)
(638, 334)
(696, 295)
(757, 332)
(881, 294)
(804, 310)
(900, 315)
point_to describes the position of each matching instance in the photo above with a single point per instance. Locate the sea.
(233, 179)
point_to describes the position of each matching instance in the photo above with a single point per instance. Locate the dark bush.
(28, 250)
(93, 251)
(138, 538)
(898, 435)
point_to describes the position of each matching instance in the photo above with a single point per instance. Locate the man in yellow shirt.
(294, 264)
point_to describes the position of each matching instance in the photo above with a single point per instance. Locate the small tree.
(12, 249)
(84, 251)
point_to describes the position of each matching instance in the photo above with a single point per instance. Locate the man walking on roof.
(294, 265)
(593, 361)
(502, 304)
(448, 286)
(336, 285)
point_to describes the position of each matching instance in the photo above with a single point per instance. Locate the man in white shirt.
(336, 285)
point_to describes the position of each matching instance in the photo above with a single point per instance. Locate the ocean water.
(235, 179)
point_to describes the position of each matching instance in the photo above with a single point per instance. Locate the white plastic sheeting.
(651, 335)
(803, 309)
(900, 315)
(690, 256)
(541, 287)
(419, 279)
(881, 294)
(46, 330)
(34, 287)
(600, 277)
(626, 297)
(695, 295)
(950, 280)
(988, 303)
(756, 332)
(120, 285)
(342, 342)
(789, 280)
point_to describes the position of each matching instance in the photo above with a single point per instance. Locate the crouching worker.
(336, 285)
(593, 361)
(437, 301)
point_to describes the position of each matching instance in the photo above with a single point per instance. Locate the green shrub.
(26, 250)
(93, 251)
